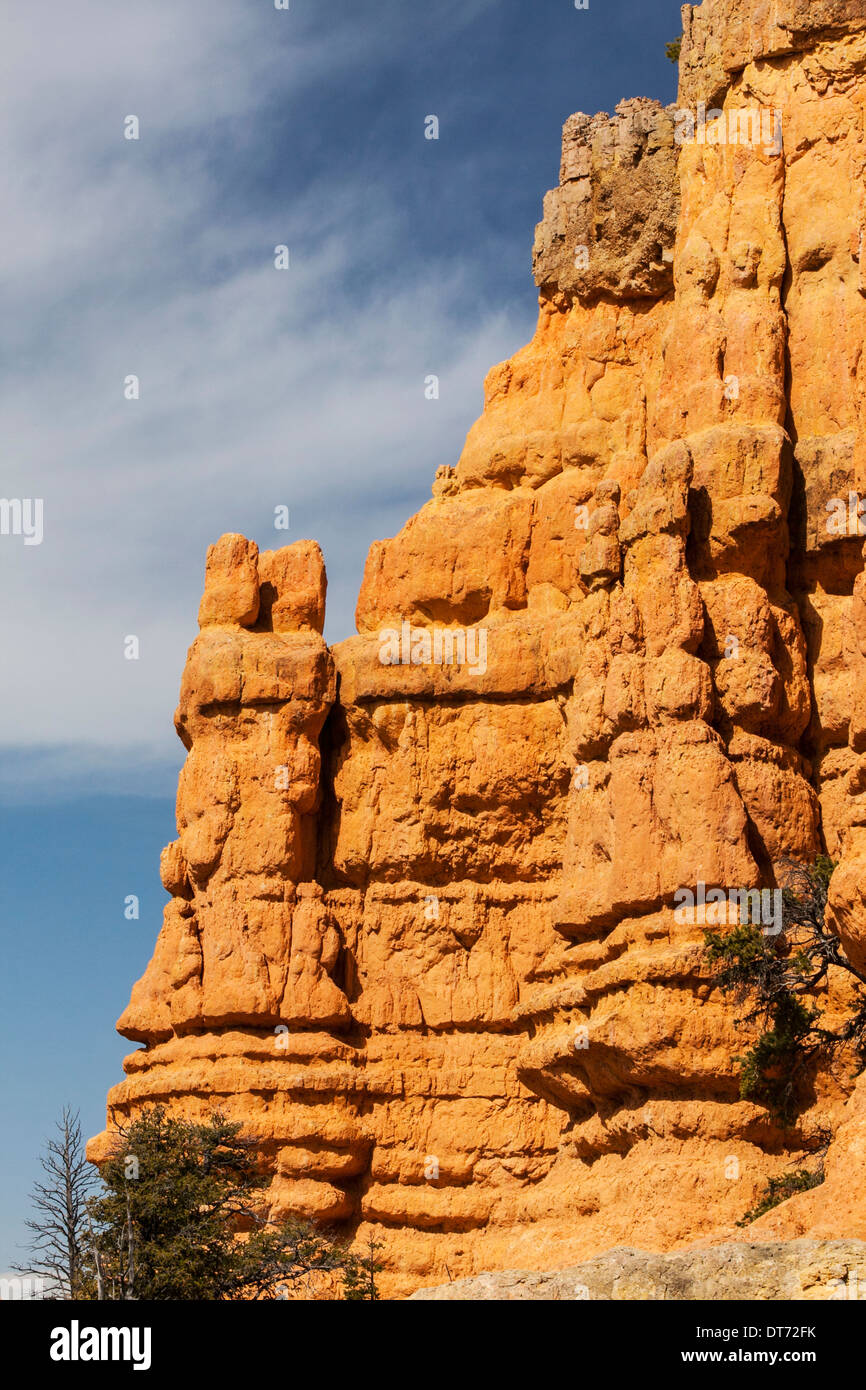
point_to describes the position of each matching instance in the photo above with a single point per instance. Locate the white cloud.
(258, 387)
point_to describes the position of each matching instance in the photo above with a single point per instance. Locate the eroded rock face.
(421, 938)
(610, 226)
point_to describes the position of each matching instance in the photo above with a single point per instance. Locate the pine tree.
(182, 1217)
(359, 1276)
(776, 978)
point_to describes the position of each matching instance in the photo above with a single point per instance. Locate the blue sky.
(258, 388)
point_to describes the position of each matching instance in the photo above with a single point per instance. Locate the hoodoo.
(422, 938)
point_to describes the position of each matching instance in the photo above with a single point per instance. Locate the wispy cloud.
(258, 386)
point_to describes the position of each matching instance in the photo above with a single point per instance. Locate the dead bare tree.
(60, 1240)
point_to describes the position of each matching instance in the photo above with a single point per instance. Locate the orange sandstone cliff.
(421, 937)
